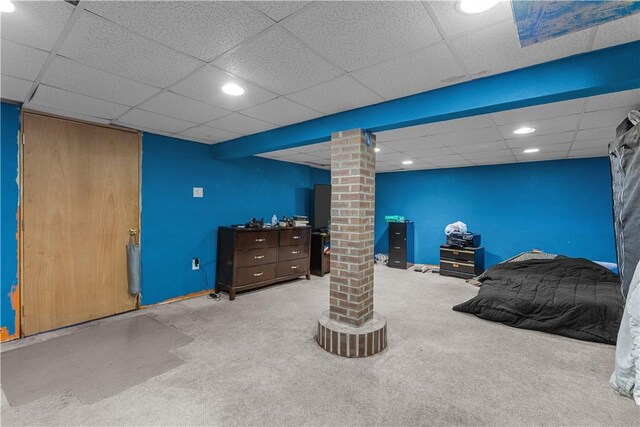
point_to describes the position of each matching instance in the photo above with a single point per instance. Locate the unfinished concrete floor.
(253, 361)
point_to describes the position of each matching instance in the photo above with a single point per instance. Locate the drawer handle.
(456, 265)
(261, 240)
(397, 262)
(295, 252)
(296, 237)
(397, 234)
(258, 257)
(258, 274)
(396, 247)
(293, 267)
(456, 252)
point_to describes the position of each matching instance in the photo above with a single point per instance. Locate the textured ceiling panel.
(238, 123)
(354, 35)
(14, 89)
(36, 23)
(21, 61)
(420, 71)
(496, 49)
(539, 112)
(145, 120)
(206, 86)
(544, 127)
(174, 105)
(278, 10)
(617, 32)
(336, 95)
(455, 22)
(208, 134)
(278, 62)
(69, 101)
(102, 44)
(628, 98)
(188, 26)
(282, 112)
(70, 75)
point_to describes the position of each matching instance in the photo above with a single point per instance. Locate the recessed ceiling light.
(377, 150)
(475, 6)
(233, 89)
(531, 150)
(6, 6)
(524, 130)
(407, 162)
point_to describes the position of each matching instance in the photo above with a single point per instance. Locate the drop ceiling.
(570, 129)
(153, 66)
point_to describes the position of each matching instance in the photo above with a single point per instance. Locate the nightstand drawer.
(459, 254)
(458, 266)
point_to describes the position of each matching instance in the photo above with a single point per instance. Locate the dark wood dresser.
(401, 246)
(250, 258)
(461, 262)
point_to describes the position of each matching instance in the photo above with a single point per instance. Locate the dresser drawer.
(457, 254)
(296, 267)
(256, 239)
(286, 253)
(294, 237)
(256, 257)
(255, 274)
(458, 266)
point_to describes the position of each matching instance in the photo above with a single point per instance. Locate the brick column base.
(352, 341)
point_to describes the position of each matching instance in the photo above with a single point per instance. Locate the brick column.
(350, 327)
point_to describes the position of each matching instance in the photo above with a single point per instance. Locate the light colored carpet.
(254, 362)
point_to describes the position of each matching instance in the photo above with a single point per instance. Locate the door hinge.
(24, 138)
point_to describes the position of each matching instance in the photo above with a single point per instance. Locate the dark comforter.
(573, 297)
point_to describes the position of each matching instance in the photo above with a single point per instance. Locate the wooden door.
(80, 192)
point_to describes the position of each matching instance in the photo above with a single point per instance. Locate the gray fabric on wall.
(133, 268)
(624, 155)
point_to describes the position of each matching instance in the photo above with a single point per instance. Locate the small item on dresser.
(254, 223)
(463, 240)
(394, 218)
(274, 220)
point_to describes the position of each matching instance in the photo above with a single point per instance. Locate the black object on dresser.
(250, 258)
(401, 247)
(320, 260)
(461, 262)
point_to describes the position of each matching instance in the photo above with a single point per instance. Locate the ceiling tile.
(542, 140)
(470, 136)
(187, 26)
(391, 157)
(241, 124)
(422, 143)
(452, 163)
(177, 106)
(589, 145)
(489, 154)
(592, 152)
(354, 35)
(618, 32)
(21, 61)
(36, 23)
(278, 10)
(278, 62)
(428, 154)
(494, 161)
(458, 125)
(281, 111)
(69, 101)
(210, 134)
(601, 133)
(536, 157)
(597, 119)
(96, 83)
(417, 72)
(455, 22)
(448, 159)
(385, 147)
(205, 85)
(496, 49)
(145, 120)
(543, 127)
(481, 146)
(99, 43)
(14, 89)
(336, 95)
(65, 113)
(521, 116)
(628, 98)
(401, 133)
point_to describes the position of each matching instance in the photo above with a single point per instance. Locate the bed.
(573, 297)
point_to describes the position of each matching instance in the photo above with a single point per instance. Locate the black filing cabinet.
(461, 262)
(401, 247)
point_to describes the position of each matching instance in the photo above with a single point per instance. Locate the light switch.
(198, 192)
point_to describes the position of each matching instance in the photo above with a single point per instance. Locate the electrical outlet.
(195, 264)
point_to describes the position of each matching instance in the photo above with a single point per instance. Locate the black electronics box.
(463, 240)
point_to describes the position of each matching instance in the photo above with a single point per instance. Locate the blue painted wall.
(561, 206)
(177, 227)
(9, 125)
